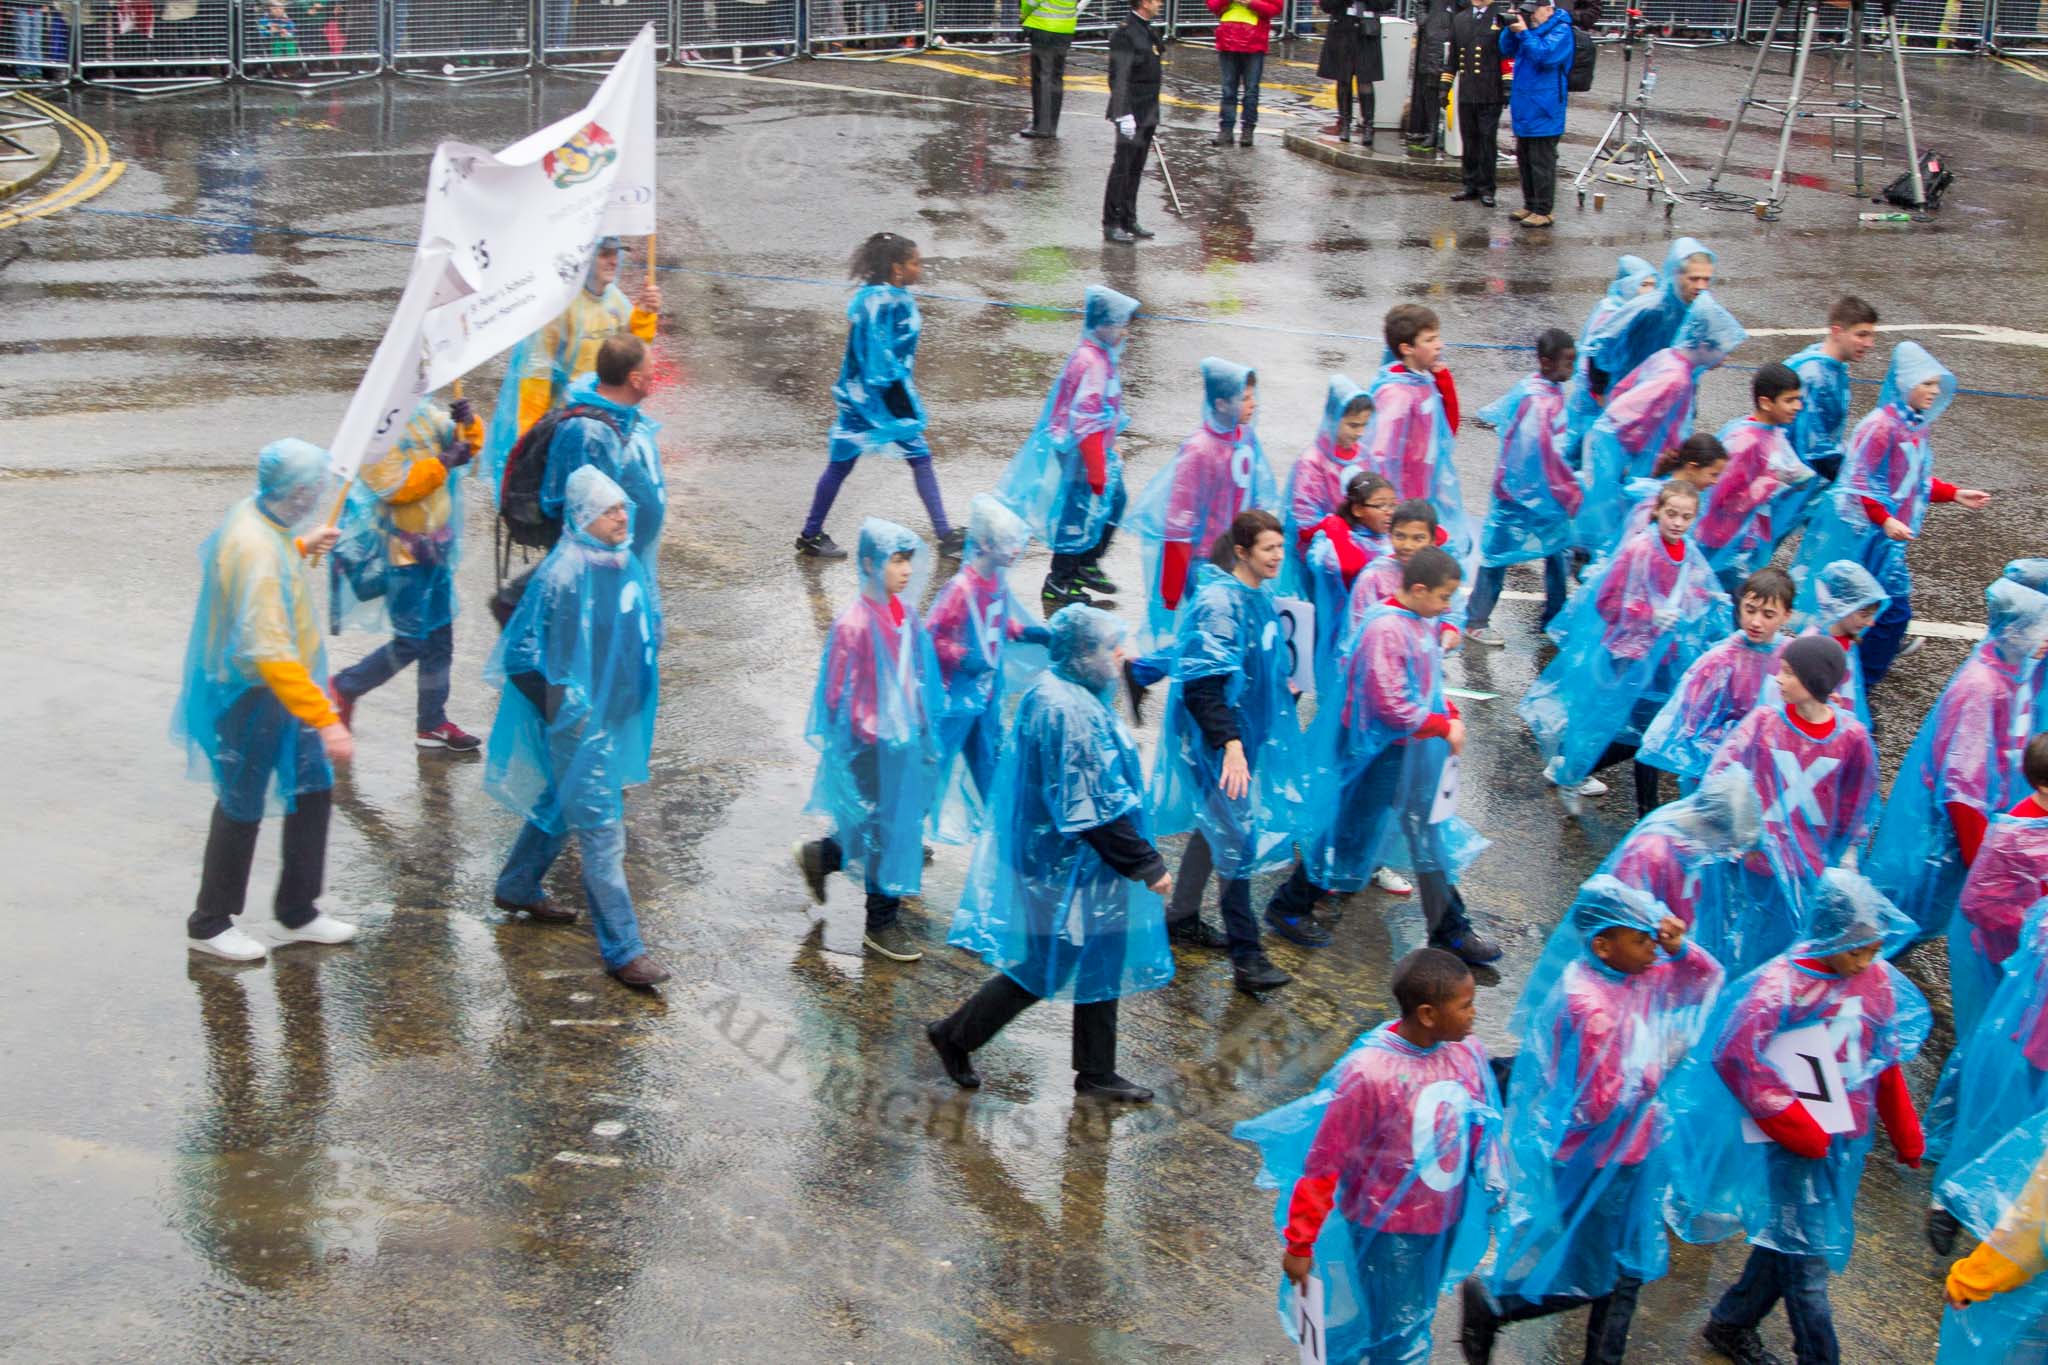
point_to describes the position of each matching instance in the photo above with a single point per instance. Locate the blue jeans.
(1240, 69)
(604, 883)
(1802, 1282)
(1880, 644)
(1486, 592)
(432, 653)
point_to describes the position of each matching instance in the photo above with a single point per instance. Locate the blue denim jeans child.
(1486, 592)
(604, 883)
(1802, 1282)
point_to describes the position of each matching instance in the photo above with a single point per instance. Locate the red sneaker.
(448, 735)
(344, 705)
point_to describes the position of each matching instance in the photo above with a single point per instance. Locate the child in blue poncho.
(1823, 370)
(1535, 493)
(578, 665)
(1050, 900)
(879, 410)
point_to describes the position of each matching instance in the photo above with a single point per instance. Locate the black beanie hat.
(1818, 662)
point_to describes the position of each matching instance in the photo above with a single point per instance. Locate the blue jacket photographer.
(1538, 39)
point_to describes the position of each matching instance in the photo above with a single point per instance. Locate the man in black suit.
(1134, 110)
(1475, 60)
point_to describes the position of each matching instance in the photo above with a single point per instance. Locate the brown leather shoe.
(642, 971)
(547, 912)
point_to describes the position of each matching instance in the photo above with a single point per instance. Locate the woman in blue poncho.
(1050, 901)
(875, 721)
(1232, 765)
(1067, 479)
(879, 410)
(579, 668)
(251, 716)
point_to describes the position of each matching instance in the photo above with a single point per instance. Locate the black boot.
(1942, 1227)
(1256, 974)
(1244, 136)
(1478, 1324)
(1223, 137)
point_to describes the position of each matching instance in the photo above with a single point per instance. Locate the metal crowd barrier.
(2019, 26)
(161, 46)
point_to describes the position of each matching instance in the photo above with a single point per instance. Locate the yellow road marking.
(100, 170)
(1320, 96)
(2024, 68)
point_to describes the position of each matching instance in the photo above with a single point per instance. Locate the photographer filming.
(1539, 42)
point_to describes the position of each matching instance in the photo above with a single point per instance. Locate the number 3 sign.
(1298, 637)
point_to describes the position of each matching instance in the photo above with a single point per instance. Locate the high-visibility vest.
(1240, 14)
(1052, 16)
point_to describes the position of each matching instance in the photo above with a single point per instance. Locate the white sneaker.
(322, 928)
(1592, 786)
(1392, 882)
(230, 943)
(1485, 635)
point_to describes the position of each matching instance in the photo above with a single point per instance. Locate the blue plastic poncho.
(1315, 486)
(1685, 854)
(1730, 1178)
(875, 720)
(620, 445)
(401, 535)
(544, 366)
(587, 636)
(1339, 554)
(1649, 411)
(1817, 796)
(1231, 631)
(1379, 761)
(1626, 637)
(1040, 905)
(1410, 444)
(1650, 322)
(1535, 493)
(1753, 506)
(1067, 479)
(879, 411)
(1842, 589)
(973, 621)
(1217, 473)
(1998, 1073)
(1963, 756)
(1585, 1128)
(1712, 697)
(2003, 884)
(256, 611)
(1890, 462)
(1401, 1144)
(1818, 430)
(2002, 1197)
(2032, 713)
(1632, 274)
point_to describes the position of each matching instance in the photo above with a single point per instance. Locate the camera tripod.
(1627, 154)
(1857, 112)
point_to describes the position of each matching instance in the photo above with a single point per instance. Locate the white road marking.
(586, 1023)
(1950, 331)
(588, 1159)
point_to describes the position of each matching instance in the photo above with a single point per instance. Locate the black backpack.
(1935, 178)
(1584, 56)
(521, 522)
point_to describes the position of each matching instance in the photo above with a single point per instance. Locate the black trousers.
(1048, 78)
(1345, 85)
(882, 907)
(1606, 1326)
(1536, 160)
(1064, 567)
(1234, 898)
(1648, 797)
(1479, 135)
(1120, 197)
(231, 849)
(985, 1013)
(1425, 103)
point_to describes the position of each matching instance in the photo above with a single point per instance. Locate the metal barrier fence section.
(1188, 19)
(594, 32)
(1942, 25)
(154, 46)
(36, 45)
(988, 25)
(459, 40)
(311, 42)
(865, 28)
(1687, 23)
(2020, 26)
(1929, 27)
(735, 33)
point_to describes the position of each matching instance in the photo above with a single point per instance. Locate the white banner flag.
(504, 244)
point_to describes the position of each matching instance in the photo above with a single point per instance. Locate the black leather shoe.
(1244, 139)
(1113, 1087)
(1117, 234)
(1464, 196)
(1141, 232)
(1031, 132)
(1487, 200)
(1942, 1227)
(1740, 1344)
(1475, 948)
(1256, 974)
(1196, 932)
(1223, 139)
(957, 1060)
(544, 911)
(1303, 930)
(1478, 1324)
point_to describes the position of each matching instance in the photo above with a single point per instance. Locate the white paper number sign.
(1446, 803)
(1308, 1323)
(1805, 1057)
(1298, 636)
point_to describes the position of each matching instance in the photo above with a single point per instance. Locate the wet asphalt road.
(456, 1139)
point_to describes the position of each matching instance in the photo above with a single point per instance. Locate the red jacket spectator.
(1244, 25)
